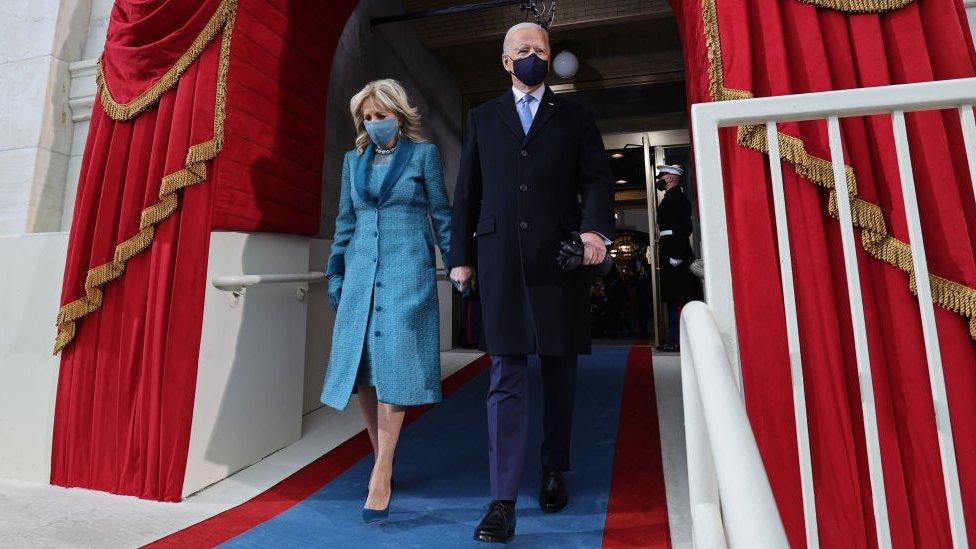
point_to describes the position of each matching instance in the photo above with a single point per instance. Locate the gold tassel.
(867, 217)
(860, 6)
(194, 171)
(126, 111)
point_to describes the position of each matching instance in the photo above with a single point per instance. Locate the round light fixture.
(617, 155)
(565, 64)
(621, 181)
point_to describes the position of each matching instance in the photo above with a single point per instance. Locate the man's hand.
(594, 249)
(463, 277)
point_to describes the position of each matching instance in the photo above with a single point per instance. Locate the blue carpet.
(442, 477)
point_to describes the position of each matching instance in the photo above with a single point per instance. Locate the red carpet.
(637, 514)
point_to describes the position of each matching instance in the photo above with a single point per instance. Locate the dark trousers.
(674, 321)
(508, 418)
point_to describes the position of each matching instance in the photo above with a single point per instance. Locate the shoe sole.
(493, 539)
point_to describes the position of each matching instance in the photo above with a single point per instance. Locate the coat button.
(523, 188)
(379, 284)
(376, 333)
(379, 308)
(524, 153)
(524, 225)
(375, 233)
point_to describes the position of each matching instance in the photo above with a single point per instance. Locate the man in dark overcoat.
(533, 169)
(675, 255)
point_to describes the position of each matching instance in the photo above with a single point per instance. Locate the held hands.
(463, 279)
(675, 262)
(335, 291)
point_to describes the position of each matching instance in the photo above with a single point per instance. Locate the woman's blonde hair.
(391, 95)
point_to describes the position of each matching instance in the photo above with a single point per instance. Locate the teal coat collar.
(401, 156)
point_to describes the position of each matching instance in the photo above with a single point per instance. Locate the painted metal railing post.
(864, 374)
(950, 473)
(714, 232)
(793, 339)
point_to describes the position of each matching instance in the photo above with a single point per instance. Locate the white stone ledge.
(81, 96)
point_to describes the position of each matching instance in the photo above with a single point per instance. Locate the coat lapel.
(548, 106)
(505, 105)
(401, 156)
(362, 172)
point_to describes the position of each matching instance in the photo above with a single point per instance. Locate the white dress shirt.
(533, 106)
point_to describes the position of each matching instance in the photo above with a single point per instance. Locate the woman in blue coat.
(382, 277)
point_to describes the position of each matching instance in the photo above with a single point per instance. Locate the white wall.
(248, 400)
(30, 290)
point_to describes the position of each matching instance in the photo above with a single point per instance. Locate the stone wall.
(40, 39)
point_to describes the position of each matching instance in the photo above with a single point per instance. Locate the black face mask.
(661, 184)
(531, 70)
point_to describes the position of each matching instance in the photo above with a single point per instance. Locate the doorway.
(634, 158)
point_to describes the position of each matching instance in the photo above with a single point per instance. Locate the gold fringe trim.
(126, 111)
(867, 216)
(860, 6)
(194, 171)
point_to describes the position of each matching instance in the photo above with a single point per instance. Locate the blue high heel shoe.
(377, 515)
(373, 515)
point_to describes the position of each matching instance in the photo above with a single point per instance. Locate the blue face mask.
(382, 131)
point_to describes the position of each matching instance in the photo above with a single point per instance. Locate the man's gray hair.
(509, 36)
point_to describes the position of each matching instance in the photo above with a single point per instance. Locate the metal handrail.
(237, 283)
(731, 500)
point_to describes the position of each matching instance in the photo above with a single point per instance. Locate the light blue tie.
(525, 112)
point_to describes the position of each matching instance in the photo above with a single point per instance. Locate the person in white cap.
(678, 284)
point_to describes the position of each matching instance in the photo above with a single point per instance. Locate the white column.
(40, 38)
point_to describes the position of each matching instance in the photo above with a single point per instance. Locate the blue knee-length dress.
(392, 209)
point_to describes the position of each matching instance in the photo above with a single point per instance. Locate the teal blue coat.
(384, 250)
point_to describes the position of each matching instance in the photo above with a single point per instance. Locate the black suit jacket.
(516, 198)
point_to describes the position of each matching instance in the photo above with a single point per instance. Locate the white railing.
(831, 106)
(731, 501)
(237, 285)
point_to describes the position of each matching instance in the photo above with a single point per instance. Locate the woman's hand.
(335, 291)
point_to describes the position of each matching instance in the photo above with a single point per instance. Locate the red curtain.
(174, 94)
(776, 47)
(125, 393)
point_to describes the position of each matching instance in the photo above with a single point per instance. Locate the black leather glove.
(570, 256)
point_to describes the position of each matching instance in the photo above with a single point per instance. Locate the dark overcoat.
(678, 283)
(516, 198)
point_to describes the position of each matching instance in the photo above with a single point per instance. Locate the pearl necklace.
(385, 151)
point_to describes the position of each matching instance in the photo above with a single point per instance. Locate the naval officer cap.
(668, 169)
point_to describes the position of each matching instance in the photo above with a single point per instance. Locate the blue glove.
(335, 291)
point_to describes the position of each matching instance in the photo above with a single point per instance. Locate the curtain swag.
(867, 216)
(194, 171)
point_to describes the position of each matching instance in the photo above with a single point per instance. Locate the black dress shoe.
(498, 524)
(553, 496)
